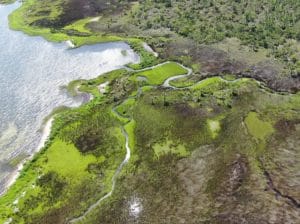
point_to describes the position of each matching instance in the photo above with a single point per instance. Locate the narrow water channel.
(32, 73)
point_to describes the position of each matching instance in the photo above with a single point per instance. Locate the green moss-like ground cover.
(87, 145)
(157, 75)
(130, 129)
(71, 164)
(257, 128)
(166, 147)
(125, 109)
(194, 148)
(75, 168)
(28, 13)
(214, 126)
(152, 175)
(80, 25)
(182, 82)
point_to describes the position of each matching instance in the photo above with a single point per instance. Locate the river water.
(32, 72)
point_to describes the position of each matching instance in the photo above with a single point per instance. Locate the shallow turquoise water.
(32, 71)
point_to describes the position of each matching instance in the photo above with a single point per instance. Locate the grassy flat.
(214, 126)
(258, 129)
(157, 75)
(168, 146)
(197, 153)
(19, 20)
(179, 140)
(182, 82)
(68, 161)
(125, 109)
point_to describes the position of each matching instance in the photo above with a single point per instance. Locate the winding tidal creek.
(32, 74)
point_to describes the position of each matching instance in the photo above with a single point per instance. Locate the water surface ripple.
(32, 71)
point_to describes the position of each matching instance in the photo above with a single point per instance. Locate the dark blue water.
(32, 71)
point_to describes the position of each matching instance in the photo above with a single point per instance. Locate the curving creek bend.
(166, 84)
(113, 181)
(33, 73)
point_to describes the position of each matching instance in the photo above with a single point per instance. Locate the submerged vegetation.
(218, 145)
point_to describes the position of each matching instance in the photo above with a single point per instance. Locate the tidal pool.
(32, 72)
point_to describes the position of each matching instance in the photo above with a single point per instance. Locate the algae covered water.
(32, 72)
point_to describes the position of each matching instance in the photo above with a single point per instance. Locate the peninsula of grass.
(23, 21)
(158, 74)
(194, 148)
(164, 128)
(76, 165)
(26, 19)
(92, 86)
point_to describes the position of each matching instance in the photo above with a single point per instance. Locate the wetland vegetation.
(220, 145)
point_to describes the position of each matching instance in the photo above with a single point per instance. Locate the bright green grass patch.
(117, 116)
(66, 160)
(14, 162)
(93, 39)
(207, 82)
(79, 25)
(170, 147)
(19, 21)
(92, 86)
(214, 127)
(92, 89)
(196, 67)
(24, 182)
(144, 89)
(72, 87)
(258, 129)
(229, 77)
(130, 128)
(125, 109)
(147, 58)
(182, 82)
(157, 75)
(217, 83)
(293, 103)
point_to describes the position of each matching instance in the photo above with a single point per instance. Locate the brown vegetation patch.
(234, 175)
(218, 62)
(283, 159)
(73, 10)
(272, 75)
(285, 127)
(89, 140)
(186, 110)
(212, 60)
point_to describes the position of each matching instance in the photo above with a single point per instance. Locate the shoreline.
(165, 161)
(45, 127)
(46, 131)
